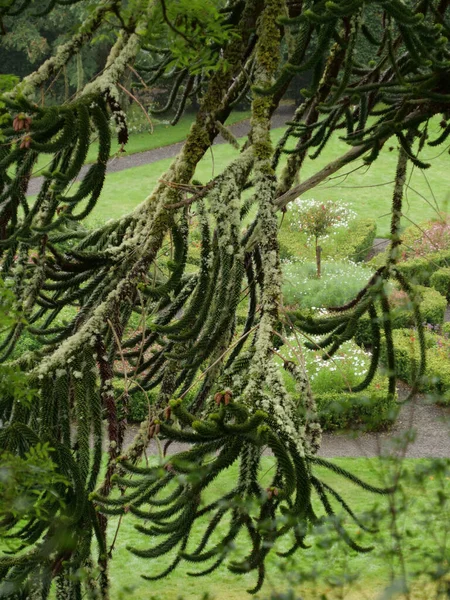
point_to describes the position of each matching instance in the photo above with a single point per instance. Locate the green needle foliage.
(217, 385)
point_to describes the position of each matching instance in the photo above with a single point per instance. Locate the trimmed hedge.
(354, 243)
(418, 270)
(437, 374)
(362, 235)
(433, 306)
(137, 402)
(445, 329)
(440, 281)
(370, 410)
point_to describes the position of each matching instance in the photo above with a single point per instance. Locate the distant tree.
(32, 36)
(218, 385)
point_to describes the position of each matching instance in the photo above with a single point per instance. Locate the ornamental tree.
(318, 220)
(218, 385)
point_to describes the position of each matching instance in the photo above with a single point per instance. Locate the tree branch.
(335, 165)
(318, 177)
(172, 26)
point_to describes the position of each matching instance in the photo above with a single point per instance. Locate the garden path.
(422, 424)
(120, 163)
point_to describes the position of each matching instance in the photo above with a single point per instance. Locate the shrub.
(440, 280)
(419, 270)
(7, 82)
(429, 237)
(319, 220)
(372, 409)
(340, 282)
(432, 306)
(26, 343)
(138, 402)
(358, 239)
(419, 241)
(437, 375)
(425, 249)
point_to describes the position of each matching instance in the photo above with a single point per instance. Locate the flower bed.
(331, 383)
(341, 280)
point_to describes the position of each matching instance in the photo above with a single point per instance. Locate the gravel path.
(428, 424)
(425, 424)
(379, 245)
(283, 114)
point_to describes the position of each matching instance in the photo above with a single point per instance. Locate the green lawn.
(423, 528)
(163, 135)
(367, 190)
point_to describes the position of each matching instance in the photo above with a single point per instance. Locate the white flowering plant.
(318, 220)
(340, 282)
(344, 370)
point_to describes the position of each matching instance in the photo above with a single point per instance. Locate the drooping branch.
(218, 386)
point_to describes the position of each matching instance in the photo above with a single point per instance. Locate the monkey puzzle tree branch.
(350, 156)
(188, 320)
(321, 175)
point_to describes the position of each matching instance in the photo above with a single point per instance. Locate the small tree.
(319, 220)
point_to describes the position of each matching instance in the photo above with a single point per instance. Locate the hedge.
(440, 281)
(138, 401)
(362, 235)
(418, 270)
(354, 243)
(436, 380)
(433, 306)
(371, 410)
